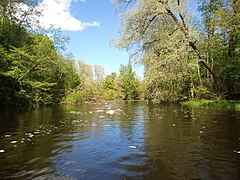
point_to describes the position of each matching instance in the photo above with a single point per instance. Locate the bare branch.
(149, 22)
(149, 43)
(170, 34)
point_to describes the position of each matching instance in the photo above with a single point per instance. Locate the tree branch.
(149, 43)
(183, 27)
(201, 60)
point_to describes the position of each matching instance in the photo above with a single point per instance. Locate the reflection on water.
(134, 141)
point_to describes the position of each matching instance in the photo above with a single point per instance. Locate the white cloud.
(57, 13)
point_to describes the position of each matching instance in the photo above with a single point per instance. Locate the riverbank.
(213, 103)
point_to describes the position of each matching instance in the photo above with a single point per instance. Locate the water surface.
(138, 141)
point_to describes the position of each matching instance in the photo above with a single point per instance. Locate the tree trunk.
(180, 22)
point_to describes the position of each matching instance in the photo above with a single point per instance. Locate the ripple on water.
(138, 141)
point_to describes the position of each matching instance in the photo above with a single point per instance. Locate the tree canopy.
(32, 71)
(182, 58)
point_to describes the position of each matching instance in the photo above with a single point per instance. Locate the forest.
(185, 54)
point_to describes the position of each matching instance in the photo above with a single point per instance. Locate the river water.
(137, 141)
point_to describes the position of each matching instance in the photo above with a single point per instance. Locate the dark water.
(139, 141)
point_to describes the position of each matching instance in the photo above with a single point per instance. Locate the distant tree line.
(95, 85)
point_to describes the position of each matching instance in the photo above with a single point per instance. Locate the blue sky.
(93, 44)
(91, 26)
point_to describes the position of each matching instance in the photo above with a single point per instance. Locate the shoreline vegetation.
(229, 104)
(182, 58)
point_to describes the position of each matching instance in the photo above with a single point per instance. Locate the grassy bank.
(213, 103)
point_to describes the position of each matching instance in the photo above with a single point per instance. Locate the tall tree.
(153, 33)
(222, 26)
(161, 33)
(142, 25)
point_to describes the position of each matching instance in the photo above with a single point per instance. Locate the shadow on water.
(136, 141)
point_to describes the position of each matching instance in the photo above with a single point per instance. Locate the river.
(119, 140)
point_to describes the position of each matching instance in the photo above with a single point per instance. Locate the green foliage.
(183, 60)
(160, 40)
(130, 83)
(110, 94)
(202, 92)
(76, 97)
(222, 40)
(32, 72)
(93, 87)
(232, 104)
(109, 82)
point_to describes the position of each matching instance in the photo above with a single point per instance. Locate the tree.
(109, 81)
(23, 13)
(222, 26)
(99, 73)
(129, 86)
(161, 34)
(42, 74)
(141, 20)
(157, 33)
(32, 71)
